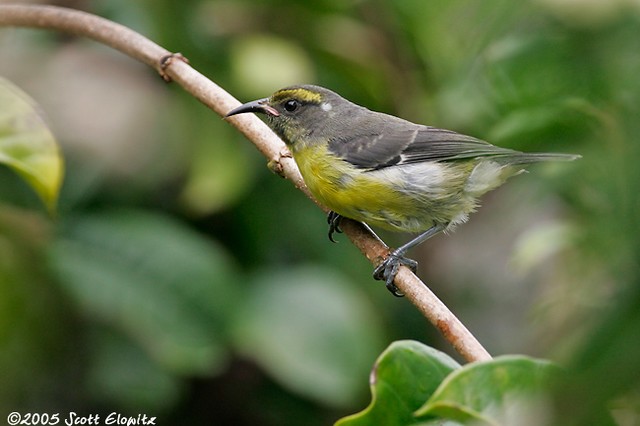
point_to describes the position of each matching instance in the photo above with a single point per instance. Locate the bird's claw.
(388, 269)
(334, 219)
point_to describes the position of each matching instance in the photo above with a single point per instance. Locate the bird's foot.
(334, 219)
(388, 269)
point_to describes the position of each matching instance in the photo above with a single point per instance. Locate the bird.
(385, 171)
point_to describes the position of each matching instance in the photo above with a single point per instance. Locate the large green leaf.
(405, 375)
(164, 285)
(485, 392)
(413, 384)
(26, 144)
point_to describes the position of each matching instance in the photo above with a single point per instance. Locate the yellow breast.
(352, 192)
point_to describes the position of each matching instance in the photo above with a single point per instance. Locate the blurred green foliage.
(183, 279)
(27, 146)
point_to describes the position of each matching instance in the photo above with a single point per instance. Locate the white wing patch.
(486, 176)
(326, 106)
(429, 178)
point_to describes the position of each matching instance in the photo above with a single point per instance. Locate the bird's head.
(301, 114)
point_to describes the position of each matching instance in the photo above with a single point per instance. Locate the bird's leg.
(334, 219)
(388, 269)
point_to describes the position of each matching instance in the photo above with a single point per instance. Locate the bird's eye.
(291, 105)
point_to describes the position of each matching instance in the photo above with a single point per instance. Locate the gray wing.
(411, 143)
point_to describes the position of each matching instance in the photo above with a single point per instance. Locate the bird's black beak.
(259, 106)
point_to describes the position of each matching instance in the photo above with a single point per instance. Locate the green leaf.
(311, 331)
(149, 276)
(486, 391)
(405, 375)
(27, 146)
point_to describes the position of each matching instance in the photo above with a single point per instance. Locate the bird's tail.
(536, 157)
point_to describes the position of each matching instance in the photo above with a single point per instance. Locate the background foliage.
(182, 279)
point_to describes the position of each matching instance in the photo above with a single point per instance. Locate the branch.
(140, 48)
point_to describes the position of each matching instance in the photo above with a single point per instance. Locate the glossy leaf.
(27, 146)
(405, 375)
(484, 392)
